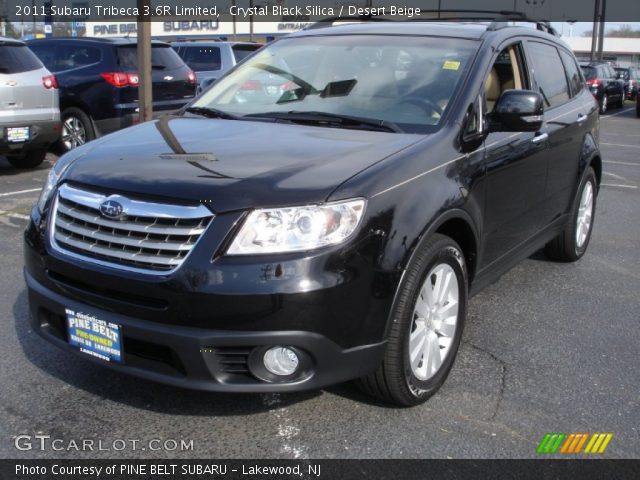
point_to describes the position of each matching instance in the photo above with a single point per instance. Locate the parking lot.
(548, 348)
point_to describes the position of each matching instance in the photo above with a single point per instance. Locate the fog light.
(281, 361)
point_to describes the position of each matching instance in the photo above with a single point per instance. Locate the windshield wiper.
(211, 113)
(331, 119)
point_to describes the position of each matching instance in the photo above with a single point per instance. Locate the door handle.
(540, 138)
(581, 118)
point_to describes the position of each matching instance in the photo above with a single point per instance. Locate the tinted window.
(75, 56)
(549, 73)
(590, 73)
(624, 72)
(575, 80)
(243, 51)
(201, 58)
(17, 59)
(162, 57)
(46, 54)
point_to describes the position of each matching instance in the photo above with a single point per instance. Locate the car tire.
(572, 243)
(77, 129)
(604, 104)
(31, 159)
(408, 375)
(638, 110)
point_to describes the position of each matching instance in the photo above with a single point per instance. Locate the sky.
(579, 28)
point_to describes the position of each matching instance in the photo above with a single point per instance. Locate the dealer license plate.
(94, 337)
(18, 134)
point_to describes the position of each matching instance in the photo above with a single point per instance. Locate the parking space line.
(621, 134)
(619, 145)
(619, 177)
(630, 164)
(14, 215)
(619, 113)
(20, 192)
(618, 185)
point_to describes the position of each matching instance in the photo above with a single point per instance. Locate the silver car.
(29, 108)
(212, 59)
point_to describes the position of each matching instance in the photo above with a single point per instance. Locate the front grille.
(151, 237)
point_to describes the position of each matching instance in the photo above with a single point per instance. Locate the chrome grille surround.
(151, 238)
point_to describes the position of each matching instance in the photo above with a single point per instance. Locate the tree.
(626, 31)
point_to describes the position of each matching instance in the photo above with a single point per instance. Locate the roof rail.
(498, 19)
(329, 21)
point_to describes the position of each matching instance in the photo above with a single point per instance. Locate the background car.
(631, 77)
(29, 114)
(604, 85)
(98, 82)
(212, 59)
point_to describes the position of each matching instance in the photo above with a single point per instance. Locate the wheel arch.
(455, 224)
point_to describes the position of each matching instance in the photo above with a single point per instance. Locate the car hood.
(230, 165)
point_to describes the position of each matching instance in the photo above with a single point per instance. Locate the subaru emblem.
(111, 209)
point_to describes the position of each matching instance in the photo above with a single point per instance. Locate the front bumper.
(206, 325)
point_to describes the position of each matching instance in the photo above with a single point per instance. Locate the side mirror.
(517, 111)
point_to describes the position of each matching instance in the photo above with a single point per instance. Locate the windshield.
(406, 81)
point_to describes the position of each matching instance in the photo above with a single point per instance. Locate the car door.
(516, 169)
(569, 115)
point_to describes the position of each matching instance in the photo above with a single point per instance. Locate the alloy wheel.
(585, 214)
(73, 133)
(435, 319)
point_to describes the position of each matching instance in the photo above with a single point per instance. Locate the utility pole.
(145, 97)
(594, 32)
(603, 14)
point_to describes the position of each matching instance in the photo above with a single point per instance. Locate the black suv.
(630, 76)
(605, 85)
(98, 83)
(402, 168)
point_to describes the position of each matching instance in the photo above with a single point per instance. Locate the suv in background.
(98, 82)
(605, 85)
(212, 59)
(29, 114)
(275, 243)
(631, 77)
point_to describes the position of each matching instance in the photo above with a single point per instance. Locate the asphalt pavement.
(549, 348)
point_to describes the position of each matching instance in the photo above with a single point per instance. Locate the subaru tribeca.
(336, 231)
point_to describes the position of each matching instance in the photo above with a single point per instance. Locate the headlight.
(295, 229)
(52, 180)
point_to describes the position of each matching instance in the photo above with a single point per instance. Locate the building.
(172, 30)
(624, 52)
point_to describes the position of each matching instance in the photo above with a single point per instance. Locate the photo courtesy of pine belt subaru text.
(322, 213)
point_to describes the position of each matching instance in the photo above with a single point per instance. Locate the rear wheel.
(572, 243)
(604, 104)
(427, 326)
(77, 129)
(29, 160)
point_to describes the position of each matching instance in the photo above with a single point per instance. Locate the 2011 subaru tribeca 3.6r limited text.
(330, 230)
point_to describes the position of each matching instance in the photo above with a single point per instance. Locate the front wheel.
(572, 243)
(428, 319)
